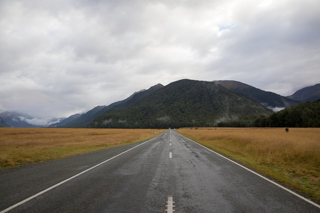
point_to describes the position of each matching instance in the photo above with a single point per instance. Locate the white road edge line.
(280, 186)
(170, 205)
(64, 181)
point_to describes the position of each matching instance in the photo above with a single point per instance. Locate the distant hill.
(3, 123)
(85, 119)
(269, 99)
(302, 115)
(184, 103)
(66, 120)
(16, 119)
(307, 94)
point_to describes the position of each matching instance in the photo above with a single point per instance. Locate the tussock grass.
(20, 146)
(292, 158)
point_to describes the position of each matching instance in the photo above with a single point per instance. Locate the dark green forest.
(185, 103)
(302, 115)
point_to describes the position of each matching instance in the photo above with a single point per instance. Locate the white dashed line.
(170, 205)
(170, 155)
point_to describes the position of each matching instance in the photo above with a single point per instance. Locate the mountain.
(3, 123)
(185, 103)
(307, 94)
(16, 119)
(85, 119)
(64, 121)
(302, 115)
(138, 95)
(269, 99)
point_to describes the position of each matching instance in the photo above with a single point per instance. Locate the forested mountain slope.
(184, 103)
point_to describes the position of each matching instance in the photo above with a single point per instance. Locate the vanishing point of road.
(168, 173)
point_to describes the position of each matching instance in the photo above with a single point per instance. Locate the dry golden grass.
(20, 146)
(292, 158)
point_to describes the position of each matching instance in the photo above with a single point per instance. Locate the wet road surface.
(166, 174)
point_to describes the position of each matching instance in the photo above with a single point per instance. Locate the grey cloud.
(270, 46)
(62, 57)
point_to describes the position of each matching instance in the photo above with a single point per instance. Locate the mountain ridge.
(183, 103)
(17, 119)
(305, 94)
(66, 120)
(85, 119)
(269, 99)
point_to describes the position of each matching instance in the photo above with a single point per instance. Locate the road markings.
(170, 144)
(62, 182)
(170, 155)
(274, 183)
(170, 205)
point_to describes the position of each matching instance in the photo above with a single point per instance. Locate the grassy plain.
(20, 146)
(292, 158)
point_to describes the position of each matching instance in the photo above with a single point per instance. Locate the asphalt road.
(168, 173)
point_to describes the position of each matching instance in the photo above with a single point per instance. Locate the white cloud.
(276, 109)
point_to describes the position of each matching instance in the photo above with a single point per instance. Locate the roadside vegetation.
(289, 155)
(21, 146)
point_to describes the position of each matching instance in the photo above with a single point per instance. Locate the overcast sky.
(61, 57)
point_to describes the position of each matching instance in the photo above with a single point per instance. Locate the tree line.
(302, 115)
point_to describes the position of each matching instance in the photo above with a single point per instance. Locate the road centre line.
(68, 179)
(274, 183)
(170, 205)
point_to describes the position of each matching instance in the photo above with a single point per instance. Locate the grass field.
(20, 146)
(292, 158)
